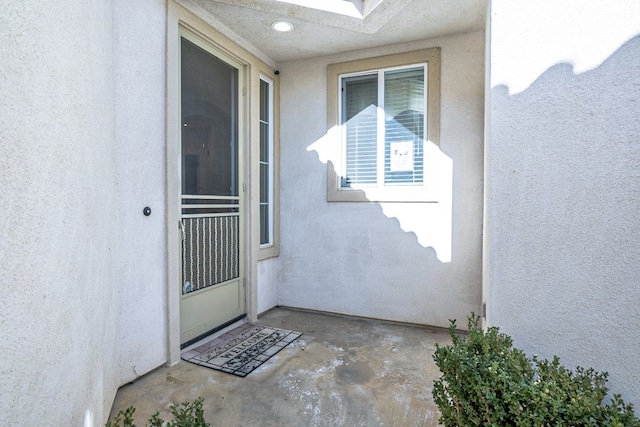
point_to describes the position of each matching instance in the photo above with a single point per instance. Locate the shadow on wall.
(349, 257)
(417, 261)
(431, 223)
(565, 190)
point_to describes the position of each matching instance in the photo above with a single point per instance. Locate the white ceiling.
(334, 26)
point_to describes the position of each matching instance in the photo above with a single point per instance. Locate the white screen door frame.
(211, 224)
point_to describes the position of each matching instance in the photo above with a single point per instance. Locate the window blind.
(404, 105)
(403, 102)
(360, 101)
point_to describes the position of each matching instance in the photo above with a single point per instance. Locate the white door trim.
(178, 19)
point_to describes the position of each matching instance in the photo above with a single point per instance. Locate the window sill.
(268, 251)
(390, 194)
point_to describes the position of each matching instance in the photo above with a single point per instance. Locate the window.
(383, 144)
(385, 113)
(266, 162)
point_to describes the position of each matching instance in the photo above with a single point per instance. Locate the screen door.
(211, 220)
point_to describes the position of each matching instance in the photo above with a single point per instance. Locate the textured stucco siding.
(267, 286)
(139, 262)
(58, 302)
(82, 152)
(563, 183)
(417, 262)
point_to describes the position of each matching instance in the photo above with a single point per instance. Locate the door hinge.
(484, 310)
(244, 187)
(244, 91)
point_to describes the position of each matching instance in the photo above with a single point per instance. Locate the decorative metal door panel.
(211, 221)
(210, 247)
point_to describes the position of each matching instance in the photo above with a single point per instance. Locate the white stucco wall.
(58, 304)
(268, 282)
(82, 130)
(139, 261)
(408, 262)
(563, 183)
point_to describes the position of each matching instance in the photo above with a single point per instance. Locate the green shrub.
(487, 382)
(186, 414)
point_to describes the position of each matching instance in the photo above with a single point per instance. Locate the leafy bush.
(487, 382)
(186, 414)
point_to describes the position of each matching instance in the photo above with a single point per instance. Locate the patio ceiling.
(324, 27)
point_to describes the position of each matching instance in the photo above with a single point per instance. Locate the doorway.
(211, 221)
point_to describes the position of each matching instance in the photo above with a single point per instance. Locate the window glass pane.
(265, 163)
(265, 232)
(404, 101)
(264, 183)
(264, 205)
(264, 101)
(264, 142)
(360, 101)
(209, 123)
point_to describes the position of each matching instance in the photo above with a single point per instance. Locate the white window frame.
(270, 165)
(336, 170)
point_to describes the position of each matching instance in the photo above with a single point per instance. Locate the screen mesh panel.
(210, 251)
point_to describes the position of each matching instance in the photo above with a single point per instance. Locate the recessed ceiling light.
(282, 26)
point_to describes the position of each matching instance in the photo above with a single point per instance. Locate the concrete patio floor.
(342, 371)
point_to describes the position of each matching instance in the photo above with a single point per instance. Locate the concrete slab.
(342, 371)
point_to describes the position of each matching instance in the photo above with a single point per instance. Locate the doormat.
(242, 350)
